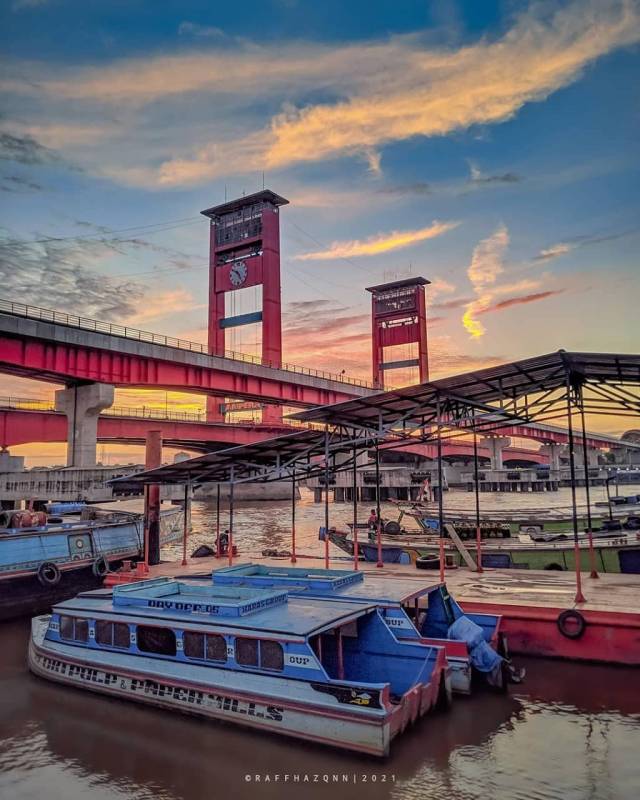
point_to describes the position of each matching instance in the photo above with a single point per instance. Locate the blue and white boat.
(45, 563)
(413, 609)
(326, 671)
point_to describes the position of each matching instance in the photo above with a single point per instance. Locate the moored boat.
(48, 560)
(615, 551)
(327, 672)
(413, 610)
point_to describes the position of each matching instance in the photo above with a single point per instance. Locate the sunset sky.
(491, 147)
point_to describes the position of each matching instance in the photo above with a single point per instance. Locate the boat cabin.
(243, 629)
(413, 610)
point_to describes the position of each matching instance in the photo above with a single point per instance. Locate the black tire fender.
(100, 567)
(577, 624)
(49, 574)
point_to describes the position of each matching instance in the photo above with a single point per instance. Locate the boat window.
(104, 632)
(112, 634)
(247, 652)
(216, 648)
(66, 627)
(74, 629)
(82, 630)
(121, 637)
(193, 644)
(271, 655)
(156, 640)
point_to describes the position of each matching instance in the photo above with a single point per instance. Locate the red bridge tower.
(244, 251)
(399, 316)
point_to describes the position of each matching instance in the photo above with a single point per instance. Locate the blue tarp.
(483, 657)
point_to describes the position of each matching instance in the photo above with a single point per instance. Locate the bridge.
(61, 348)
(24, 420)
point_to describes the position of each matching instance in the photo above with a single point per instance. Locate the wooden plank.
(453, 535)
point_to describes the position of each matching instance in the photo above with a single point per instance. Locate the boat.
(46, 559)
(326, 672)
(617, 551)
(413, 610)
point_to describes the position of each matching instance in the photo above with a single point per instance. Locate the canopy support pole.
(579, 598)
(293, 518)
(230, 544)
(440, 500)
(477, 491)
(326, 497)
(585, 462)
(380, 562)
(218, 521)
(187, 514)
(355, 508)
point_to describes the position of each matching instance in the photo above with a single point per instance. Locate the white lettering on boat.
(151, 688)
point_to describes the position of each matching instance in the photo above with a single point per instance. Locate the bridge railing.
(141, 412)
(112, 329)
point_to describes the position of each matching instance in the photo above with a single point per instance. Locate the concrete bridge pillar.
(495, 445)
(592, 455)
(552, 449)
(82, 406)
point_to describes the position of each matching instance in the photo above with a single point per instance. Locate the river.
(570, 731)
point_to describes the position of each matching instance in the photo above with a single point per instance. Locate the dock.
(530, 603)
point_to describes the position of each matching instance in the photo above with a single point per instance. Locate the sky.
(490, 147)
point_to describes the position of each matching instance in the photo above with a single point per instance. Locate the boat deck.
(544, 588)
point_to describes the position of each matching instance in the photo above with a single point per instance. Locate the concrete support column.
(495, 446)
(552, 449)
(592, 455)
(153, 459)
(82, 406)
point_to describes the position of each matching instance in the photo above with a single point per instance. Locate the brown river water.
(570, 732)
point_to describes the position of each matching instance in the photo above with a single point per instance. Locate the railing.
(88, 324)
(144, 412)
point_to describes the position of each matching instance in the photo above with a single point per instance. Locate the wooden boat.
(413, 610)
(615, 552)
(42, 564)
(327, 672)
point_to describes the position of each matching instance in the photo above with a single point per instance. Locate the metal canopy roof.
(495, 390)
(267, 460)
(486, 400)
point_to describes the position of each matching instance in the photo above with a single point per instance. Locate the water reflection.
(572, 731)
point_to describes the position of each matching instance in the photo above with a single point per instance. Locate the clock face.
(238, 273)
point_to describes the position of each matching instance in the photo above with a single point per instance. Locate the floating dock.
(530, 603)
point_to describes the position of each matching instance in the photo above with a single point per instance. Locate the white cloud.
(487, 264)
(382, 92)
(380, 243)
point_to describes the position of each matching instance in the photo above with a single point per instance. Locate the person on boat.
(222, 545)
(372, 522)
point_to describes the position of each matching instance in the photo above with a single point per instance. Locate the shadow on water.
(571, 732)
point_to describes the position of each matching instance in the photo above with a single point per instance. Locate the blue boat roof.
(179, 603)
(321, 583)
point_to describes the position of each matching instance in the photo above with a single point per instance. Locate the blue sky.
(499, 138)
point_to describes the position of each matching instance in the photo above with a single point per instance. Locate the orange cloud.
(381, 243)
(486, 265)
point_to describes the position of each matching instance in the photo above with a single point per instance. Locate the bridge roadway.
(51, 346)
(25, 421)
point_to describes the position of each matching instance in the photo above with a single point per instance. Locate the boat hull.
(21, 554)
(353, 730)
(619, 554)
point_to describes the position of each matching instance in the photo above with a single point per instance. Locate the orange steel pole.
(477, 489)
(355, 508)
(293, 518)
(380, 563)
(185, 527)
(440, 497)
(579, 598)
(585, 463)
(326, 498)
(218, 521)
(230, 543)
